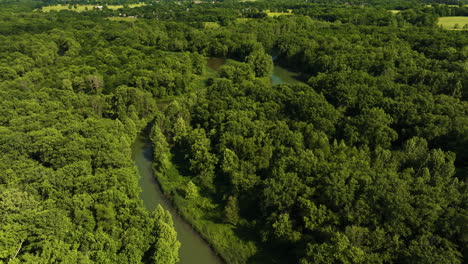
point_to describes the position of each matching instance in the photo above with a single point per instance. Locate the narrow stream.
(194, 249)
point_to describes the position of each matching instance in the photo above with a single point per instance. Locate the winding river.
(194, 249)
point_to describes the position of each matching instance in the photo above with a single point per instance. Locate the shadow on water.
(281, 75)
(193, 249)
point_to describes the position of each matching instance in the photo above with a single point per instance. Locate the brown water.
(194, 249)
(215, 63)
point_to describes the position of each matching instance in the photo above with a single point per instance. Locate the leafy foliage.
(363, 161)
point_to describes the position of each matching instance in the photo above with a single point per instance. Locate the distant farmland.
(454, 22)
(82, 8)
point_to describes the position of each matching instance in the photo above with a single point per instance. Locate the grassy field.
(395, 11)
(452, 22)
(82, 8)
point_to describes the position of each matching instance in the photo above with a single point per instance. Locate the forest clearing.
(455, 22)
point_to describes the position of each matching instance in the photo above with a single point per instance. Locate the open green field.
(82, 8)
(395, 11)
(454, 22)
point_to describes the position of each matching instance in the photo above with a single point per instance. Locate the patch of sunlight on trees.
(211, 25)
(276, 14)
(244, 20)
(456, 5)
(127, 19)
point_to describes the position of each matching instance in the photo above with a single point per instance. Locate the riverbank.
(205, 217)
(194, 249)
(235, 243)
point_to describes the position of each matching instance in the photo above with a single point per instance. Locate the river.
(193, 248)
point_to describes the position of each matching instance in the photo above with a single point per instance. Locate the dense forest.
(362, 160)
